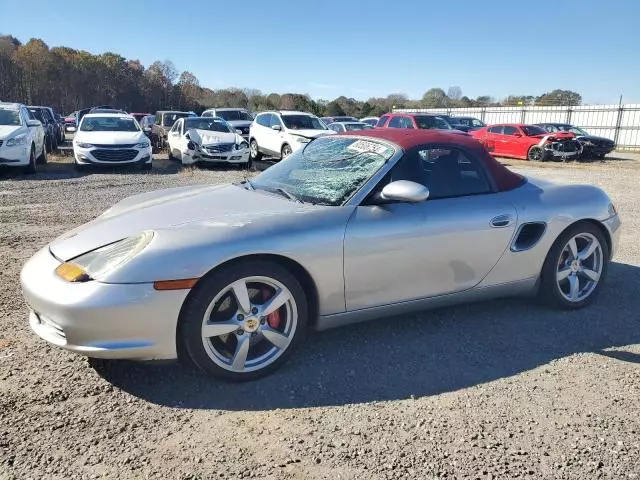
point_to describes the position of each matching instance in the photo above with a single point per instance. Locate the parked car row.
(23, 141)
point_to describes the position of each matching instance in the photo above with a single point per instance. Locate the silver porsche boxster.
(352, 227)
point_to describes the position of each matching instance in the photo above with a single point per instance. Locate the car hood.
(239, 123)
(311, 133)
(7, 131)
(110, 138)
(593, 138)
(218, 206)
(208, 137)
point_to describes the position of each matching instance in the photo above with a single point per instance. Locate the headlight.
(302, 139)
(242, 145)
(99, 262)
(83, 145)
(17, 140)
(143, 145)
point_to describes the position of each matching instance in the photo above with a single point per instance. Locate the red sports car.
(528, 142)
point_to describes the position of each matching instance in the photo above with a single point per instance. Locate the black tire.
(536, 154)
(549, 292)
(31, 168)
(285, 151)
(246, 166)
(255, 150)
(170, 154)
(42, 158)
(48, 143)
(190, 341)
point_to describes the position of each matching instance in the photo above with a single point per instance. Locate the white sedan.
(111, 139)
(21, 138)
(207, 139)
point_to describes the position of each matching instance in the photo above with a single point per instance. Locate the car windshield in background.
(36, 112)
(207, 124)
(356, 126)
(303, 122)
(575, 130)
(230, 115)
(9, 117)
(327, 171)
(428, 121)
(170, 118)
(532, 130)
(108, 124)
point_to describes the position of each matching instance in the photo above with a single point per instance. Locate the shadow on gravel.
(622, 355)
(394, 358)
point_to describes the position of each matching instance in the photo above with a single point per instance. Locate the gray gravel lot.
(502, 389)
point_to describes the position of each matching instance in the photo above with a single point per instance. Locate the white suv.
(280, 133)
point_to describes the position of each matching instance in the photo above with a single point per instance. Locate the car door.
(173, 137)
(399, 252)
(495, 140)
(510, 140)
(274, 137)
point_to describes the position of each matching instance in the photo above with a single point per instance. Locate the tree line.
(68, 79)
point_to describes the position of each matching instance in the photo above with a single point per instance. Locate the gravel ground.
(502, 389)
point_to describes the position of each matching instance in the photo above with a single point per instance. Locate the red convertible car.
(528, 142)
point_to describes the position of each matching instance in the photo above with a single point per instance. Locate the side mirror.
(238, 131)
(34, 123)
(186, 135)
(405, 191)
(276, 127)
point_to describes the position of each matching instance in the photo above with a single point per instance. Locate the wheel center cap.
(575, 265)
(251, 324)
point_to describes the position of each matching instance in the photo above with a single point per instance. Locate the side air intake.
(528, 235)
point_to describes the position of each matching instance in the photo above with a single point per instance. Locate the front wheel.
(575, 267)
(31, 168)
(254, 150)
(536, 153)
(42, 158)
(286, 151)
(244, 321)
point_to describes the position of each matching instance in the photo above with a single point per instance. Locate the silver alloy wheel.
(254, 149)
(579, 267)
(237, 331)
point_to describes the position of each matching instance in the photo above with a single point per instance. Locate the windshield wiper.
(248, 184)
(290, 196)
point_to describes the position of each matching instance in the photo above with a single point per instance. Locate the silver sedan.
(352, 227)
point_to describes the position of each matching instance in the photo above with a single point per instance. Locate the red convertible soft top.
(407, 138)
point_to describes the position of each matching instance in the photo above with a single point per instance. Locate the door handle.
(501, 221)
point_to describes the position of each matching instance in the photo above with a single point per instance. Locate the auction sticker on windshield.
(362, 146)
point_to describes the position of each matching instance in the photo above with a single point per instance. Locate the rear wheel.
(575, 267)
(254, 150)
(536, 153)
(244, 321)
(48, 143)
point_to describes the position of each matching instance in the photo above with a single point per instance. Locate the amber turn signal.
(183, 284)
(72, 273)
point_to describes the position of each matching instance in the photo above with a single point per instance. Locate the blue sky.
(361, 48)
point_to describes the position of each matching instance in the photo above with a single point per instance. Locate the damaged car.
(527, 142)
(207, 139)
(592, 146)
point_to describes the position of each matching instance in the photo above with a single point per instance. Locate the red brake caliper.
(273, 319)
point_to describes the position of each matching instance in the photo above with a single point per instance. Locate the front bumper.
(85, 156)
(597, 149)
(116, 321)
(190, 157)
(17, 156)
